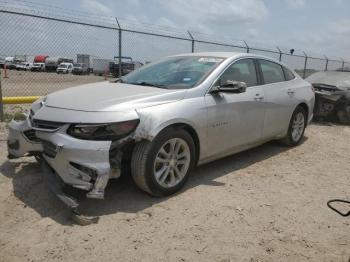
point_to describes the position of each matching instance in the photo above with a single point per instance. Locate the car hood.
(107, 96)
(333, 78)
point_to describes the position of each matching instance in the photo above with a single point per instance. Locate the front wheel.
(296, 127)
(161, 167)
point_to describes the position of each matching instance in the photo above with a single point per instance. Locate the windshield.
(62, 66)
(77, 65)
(175, 72)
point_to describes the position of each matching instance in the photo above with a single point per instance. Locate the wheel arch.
(306, 108)
(189, 129)
(176, 124)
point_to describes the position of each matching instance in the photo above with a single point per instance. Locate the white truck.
(51, 63)
(64, 68)
(100, 66)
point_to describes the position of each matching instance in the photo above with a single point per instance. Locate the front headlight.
(100, 132)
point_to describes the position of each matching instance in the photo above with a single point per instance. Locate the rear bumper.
(79, 163)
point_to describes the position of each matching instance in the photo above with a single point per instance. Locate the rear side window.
(288, 74)
(271, 72)
(242, 71)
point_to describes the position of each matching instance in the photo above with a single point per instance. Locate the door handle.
(290, 92)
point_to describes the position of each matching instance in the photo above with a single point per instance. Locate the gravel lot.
(265, 204)
(23, 83)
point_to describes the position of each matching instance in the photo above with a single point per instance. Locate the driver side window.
(241, 71)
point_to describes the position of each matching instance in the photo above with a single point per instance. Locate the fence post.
(192, 40)
(280, 52)
(305, 65)
(247, 46)
(1, 103)
(326, 69)
(120, 49)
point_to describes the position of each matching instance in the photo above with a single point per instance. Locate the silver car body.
(221, 123)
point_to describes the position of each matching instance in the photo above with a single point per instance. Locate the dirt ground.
(265, 204)
(26, 83)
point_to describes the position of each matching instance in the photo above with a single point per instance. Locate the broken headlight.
(100, 132)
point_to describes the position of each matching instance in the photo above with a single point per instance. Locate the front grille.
(31, 136)
(50, 149)
(48, 125)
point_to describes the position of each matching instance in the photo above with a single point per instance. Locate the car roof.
(233, 55)
(224, 54)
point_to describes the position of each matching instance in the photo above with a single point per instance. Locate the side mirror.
(231, 87)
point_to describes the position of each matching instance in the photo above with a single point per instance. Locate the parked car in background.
(127, 66)
(24, 66)
(80, 69)
(163, 120)
(332, 90)
(10, 62)
(38, 67)
(64, 68)
(51, 63)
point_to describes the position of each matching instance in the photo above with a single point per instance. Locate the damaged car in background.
(162, 120)
(332, 92)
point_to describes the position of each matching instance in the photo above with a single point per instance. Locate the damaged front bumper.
(79, 163)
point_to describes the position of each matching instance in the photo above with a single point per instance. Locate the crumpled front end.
(79, 163)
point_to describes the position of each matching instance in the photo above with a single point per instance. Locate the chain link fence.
(34, 43)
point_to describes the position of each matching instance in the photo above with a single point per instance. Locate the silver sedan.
(163, 119)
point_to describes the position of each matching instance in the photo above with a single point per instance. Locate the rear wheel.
(296, 127)
(161, 167)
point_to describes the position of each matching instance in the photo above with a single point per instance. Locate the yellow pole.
(19, 99)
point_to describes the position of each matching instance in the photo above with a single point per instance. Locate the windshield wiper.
(143, 83)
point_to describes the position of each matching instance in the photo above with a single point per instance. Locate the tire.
(144, 165)
(290, 139)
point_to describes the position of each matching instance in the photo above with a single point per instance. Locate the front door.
(235, 120)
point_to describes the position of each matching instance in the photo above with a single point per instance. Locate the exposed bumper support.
(56, 185)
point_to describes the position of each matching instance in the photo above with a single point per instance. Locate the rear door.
(279, 97)
(235, 120)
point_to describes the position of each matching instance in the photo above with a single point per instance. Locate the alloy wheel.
(298, 126)
(172, 162)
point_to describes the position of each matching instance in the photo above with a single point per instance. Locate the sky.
(318, 27)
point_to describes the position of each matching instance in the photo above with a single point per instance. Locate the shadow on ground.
(121, 195)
